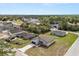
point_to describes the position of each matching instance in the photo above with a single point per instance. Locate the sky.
(39, 8)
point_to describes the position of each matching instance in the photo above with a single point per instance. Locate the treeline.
(10, 18)
(35, 28)
(66, 22)
(70, 23)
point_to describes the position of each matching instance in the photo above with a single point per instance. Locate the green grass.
(60, 47)
(70, 38)
(21, 43)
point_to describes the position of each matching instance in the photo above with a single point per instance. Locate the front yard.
(20, 42)
(59, 48)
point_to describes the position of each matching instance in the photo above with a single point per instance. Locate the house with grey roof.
(55, 24)
(55, 29)
(25, 35)
(10, 28)
(43, 41)
(58, 32)
(31, 20)
(4, 25)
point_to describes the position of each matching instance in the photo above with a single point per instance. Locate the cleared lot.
(60, 47)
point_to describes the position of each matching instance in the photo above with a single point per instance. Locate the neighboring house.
(25, 19)
(55, 24)
(15, 29)
(54, 29)
(26, 35)
(58, 32)
(4, 25)
(43, 41)
(31, 20)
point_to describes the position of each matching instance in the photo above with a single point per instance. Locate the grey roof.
(36, 40)
(26, 35)
(46, 41)
(31, 20)
(59, 32)
(9, 26)
(15, 29)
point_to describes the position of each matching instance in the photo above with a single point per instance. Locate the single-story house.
(15, 29)
(26, 35)
(58, 32)
(55, 24)
(31, 20)
(4, 25)
(43, 41)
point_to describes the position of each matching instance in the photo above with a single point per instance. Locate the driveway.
(26, 47)
(20, 53)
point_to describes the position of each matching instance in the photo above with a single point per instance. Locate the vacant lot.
(59, 48)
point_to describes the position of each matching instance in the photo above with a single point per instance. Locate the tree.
(5, 48)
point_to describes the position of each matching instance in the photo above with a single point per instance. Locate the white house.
(58, 32)
(31, 20)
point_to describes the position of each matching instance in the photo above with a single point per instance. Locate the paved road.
(74, 49)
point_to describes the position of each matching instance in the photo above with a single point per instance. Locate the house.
(15, 29)
(31, 20)
(43, 41)
(4, 25)
(25, 35)
(58, 32)
(55, 24)
(34, 21)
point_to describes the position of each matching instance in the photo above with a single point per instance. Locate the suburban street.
(74, 49)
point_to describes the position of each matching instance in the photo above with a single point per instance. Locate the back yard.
(59, 48)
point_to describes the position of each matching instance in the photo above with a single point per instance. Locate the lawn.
(59, 48)
(20, 42)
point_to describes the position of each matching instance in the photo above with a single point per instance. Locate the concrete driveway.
(26, 47)
(19, 53)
